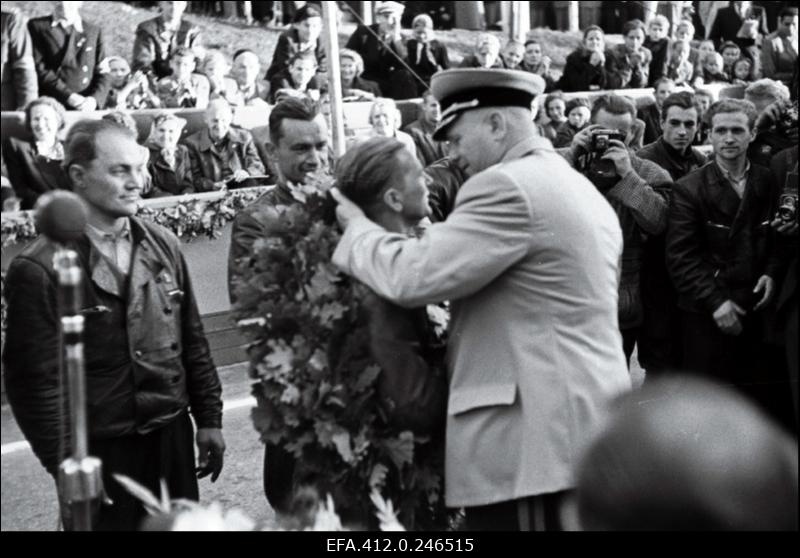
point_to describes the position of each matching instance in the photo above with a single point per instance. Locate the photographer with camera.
(776, 124)
(722, 259)
(600, 151)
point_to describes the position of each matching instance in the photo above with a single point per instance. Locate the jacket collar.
(526, 147)
(205, 143)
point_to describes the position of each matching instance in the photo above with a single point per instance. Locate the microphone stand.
(80, 480)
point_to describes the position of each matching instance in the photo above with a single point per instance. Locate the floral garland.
(315, 379)
(188, 218)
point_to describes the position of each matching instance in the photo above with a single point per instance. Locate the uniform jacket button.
(174, 346)
(137, 354)
(167, 310)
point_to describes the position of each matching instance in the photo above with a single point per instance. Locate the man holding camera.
(721, 257)
(661, 339)
(629, 184)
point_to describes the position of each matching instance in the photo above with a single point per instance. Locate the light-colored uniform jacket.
(530, 260)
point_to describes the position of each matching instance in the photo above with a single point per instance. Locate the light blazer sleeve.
(488, 232)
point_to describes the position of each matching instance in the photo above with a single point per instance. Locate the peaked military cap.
(464, 89)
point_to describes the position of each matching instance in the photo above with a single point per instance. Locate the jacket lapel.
(722, 196)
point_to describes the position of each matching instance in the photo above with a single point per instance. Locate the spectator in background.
(124, 119)
(651, 114)
(215, 67)
(776, 125)
(779, 49)
(704, 100)
(249, 90)
(741, 23)
(302, 38)
(486, 53)
(684, 33)
(68, 53)
(382, 48)
(680, 69)
(129, 91)
(159, 38)
(658, 43)
(426, 55)
(703, 49)
(661, 338)
(300, 80)
(421, 131)
(221, 155)
(170, 166)
(512, 54)
(585, 67)
(730, 52)
(17, 70)
(721, 258)
(183, 88)
(742, 72)
(629, 63)
(555, 108)
(385, 121)
(536, 62)
(34, 166)
(578, 111)
(713, 71)
(688, 455)
(632, 186)
(354, 87)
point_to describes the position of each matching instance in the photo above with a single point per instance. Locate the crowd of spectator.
(650, 168)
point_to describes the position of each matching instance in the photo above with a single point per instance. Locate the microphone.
(61, 216)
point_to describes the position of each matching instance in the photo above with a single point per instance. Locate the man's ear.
(497, 124)
(393, 199)
(77, 176)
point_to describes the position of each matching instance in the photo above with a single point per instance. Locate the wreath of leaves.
(315, 380)
(188, 218)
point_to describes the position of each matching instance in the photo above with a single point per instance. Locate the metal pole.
(366, 12)
(334, 77)
(574, 19)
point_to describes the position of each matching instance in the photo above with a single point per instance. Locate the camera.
(601, 140)
(787, 203)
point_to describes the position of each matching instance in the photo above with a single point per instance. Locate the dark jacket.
(69, 63)
(718, 245)
(211, 164)
(432, 58)
(31, 174)
(380, 59)
(151, 50)
(168, 181)
(564, 134)
(471, 61)
(726, 26)
(549, 82)
(17, 71)
(428, 149)
(676, 164)
(658, 64)
(147, 358)
(289, 45)
(579, 75)
(445, 179)
(651, 117)
(362, 85)
(624, 72)
(284, 80)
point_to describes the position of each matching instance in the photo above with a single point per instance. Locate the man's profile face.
(620, 122)
(679, 127)
(112, 183)
(431, 110)
(730, 135)
(218, 120)
(469, 142)
(788, 25)
(302, 148)
(411, 185)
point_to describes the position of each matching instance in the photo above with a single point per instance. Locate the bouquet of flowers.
(315, 380)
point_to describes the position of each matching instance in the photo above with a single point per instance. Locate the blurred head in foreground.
(684, 454)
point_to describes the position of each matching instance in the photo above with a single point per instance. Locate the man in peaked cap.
(529, 259)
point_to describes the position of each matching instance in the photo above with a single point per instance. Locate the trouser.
(279, 467)
(534, 513)
(167, 453)
(742, 361)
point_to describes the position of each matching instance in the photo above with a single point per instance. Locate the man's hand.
(546, 61)
(766, 284)
(89, 104)
(727, 317)
(346, 211)
(583, 139)
(75, 100)
(783, 228)
(210, 449)
(240, 175)
(618, 153)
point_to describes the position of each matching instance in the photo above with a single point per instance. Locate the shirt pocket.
(462, 400)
